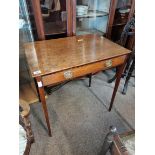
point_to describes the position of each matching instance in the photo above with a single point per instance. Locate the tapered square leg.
(90, 78)
(119, 72)
(43, 101)
(35, 81)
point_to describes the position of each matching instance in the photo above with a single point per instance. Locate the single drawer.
(81, 71)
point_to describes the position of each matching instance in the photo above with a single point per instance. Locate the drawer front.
(81, 71)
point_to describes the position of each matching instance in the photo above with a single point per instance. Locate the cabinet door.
(52, 18)
(25, 35)
(90, 16)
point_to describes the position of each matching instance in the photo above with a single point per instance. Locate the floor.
(79, 117)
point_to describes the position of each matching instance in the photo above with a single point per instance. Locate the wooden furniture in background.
(50, 63)
(102, 18)
(119, 144)
(48, 23)
(24, 121)
(129, 70)
(128, 31)
(95, 20)
(27, 31)
(52, 22)
(121, 11)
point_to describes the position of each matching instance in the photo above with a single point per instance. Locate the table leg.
(90, 78)
(35, 81)
(43, 101)
(119, 72)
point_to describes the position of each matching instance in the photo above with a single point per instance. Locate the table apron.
(72, 73)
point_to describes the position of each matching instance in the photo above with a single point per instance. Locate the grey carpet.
(79, 117)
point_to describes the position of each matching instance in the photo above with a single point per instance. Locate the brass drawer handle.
(108, 63)
(68, 74)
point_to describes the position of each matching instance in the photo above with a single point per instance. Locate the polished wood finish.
(69, 17)
(58, 60)
(55, 55)
(81, 71)
(119, 72)
(44, 106)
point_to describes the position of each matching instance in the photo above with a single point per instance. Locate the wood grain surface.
(80, 71)
(55, 55)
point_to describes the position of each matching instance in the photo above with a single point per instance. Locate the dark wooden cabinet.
(121, 13)
(52, 18)
(61, 18)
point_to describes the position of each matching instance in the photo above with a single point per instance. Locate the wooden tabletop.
(50, 56)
